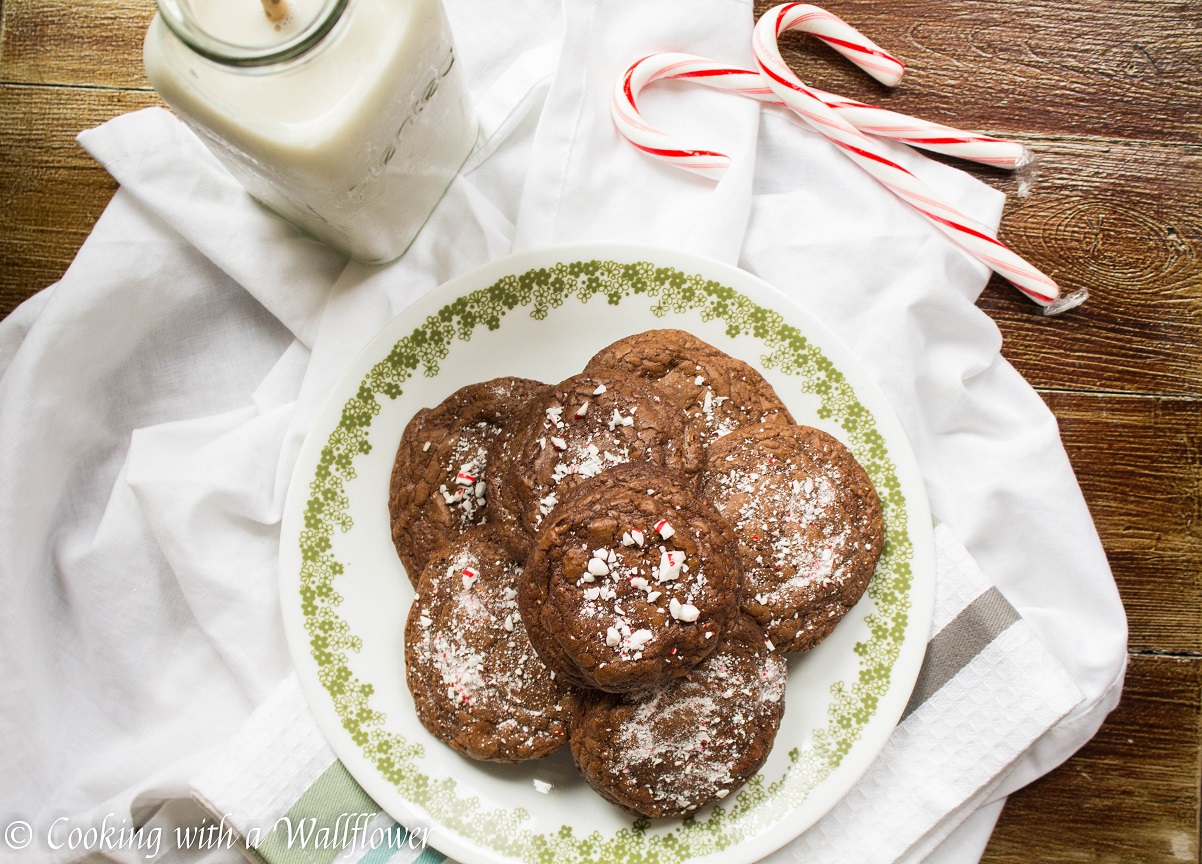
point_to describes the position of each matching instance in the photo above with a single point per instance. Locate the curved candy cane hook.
(869, 156)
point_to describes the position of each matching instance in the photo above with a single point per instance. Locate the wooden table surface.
(1109, 94)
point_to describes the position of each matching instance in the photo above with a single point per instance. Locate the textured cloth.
(153, 401)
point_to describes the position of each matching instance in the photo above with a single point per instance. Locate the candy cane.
(935, 137)
(746, 82)
(868, 155)
(887, 69)
(625, 110)
(847, 40)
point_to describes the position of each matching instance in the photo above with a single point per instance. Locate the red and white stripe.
(887, 69)
(845, 39)
(935, 137)
(866, 153)
(626, 116)
(747, 82)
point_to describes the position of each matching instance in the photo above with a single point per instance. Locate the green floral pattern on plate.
(761, 802)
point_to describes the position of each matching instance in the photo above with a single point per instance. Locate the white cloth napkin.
(152, 402)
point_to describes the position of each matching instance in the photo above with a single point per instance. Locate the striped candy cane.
(847, 40)
(868, 155)
(746, 82)
(887, 69)
(625, 110)
(935, 137)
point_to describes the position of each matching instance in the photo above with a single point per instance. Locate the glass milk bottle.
(349, 118)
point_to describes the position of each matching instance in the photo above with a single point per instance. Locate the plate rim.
(920, 531)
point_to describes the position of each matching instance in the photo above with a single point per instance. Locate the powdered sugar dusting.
(694, 733)
(472, 638)
(789, 510)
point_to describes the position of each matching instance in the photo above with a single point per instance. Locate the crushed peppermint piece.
(639, 638)
(665, 530)
(559, 443)
(582, 410)
(508, 624)
(425, 621)
(612, 637)
(768, 642)
(592, 593)
(699, 380)
(510, 593)
(670, 562)
(721, 793)
(654, 595)
(618, 420)
(426, 447)
(637, 536)
(465, 479)
(600, 389)
(640, 583)
(683, 611)
(470, 576)
(597, 567)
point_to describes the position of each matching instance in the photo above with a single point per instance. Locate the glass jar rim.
(233, 54)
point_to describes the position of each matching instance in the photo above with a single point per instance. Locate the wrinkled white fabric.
(152, 401)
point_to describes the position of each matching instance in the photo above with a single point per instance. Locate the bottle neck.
(250, 33)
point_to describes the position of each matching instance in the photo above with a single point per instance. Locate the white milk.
(355, 140)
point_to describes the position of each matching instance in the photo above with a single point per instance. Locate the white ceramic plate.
(542, 315)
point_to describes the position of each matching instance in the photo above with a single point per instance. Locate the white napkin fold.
(152, 402)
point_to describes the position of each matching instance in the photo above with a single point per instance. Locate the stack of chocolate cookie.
(621, 560)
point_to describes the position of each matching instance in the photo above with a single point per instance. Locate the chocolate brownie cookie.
(582, 427)
(439, 478)
(672, 750)
(808, 522)
(722, 392)
(632, 581)
(476, 681)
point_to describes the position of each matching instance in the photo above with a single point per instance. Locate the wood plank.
(1131, 794)
(1121, 220)
(94, 43)
(1125, 68)
(51, 192)
(1139, 464)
